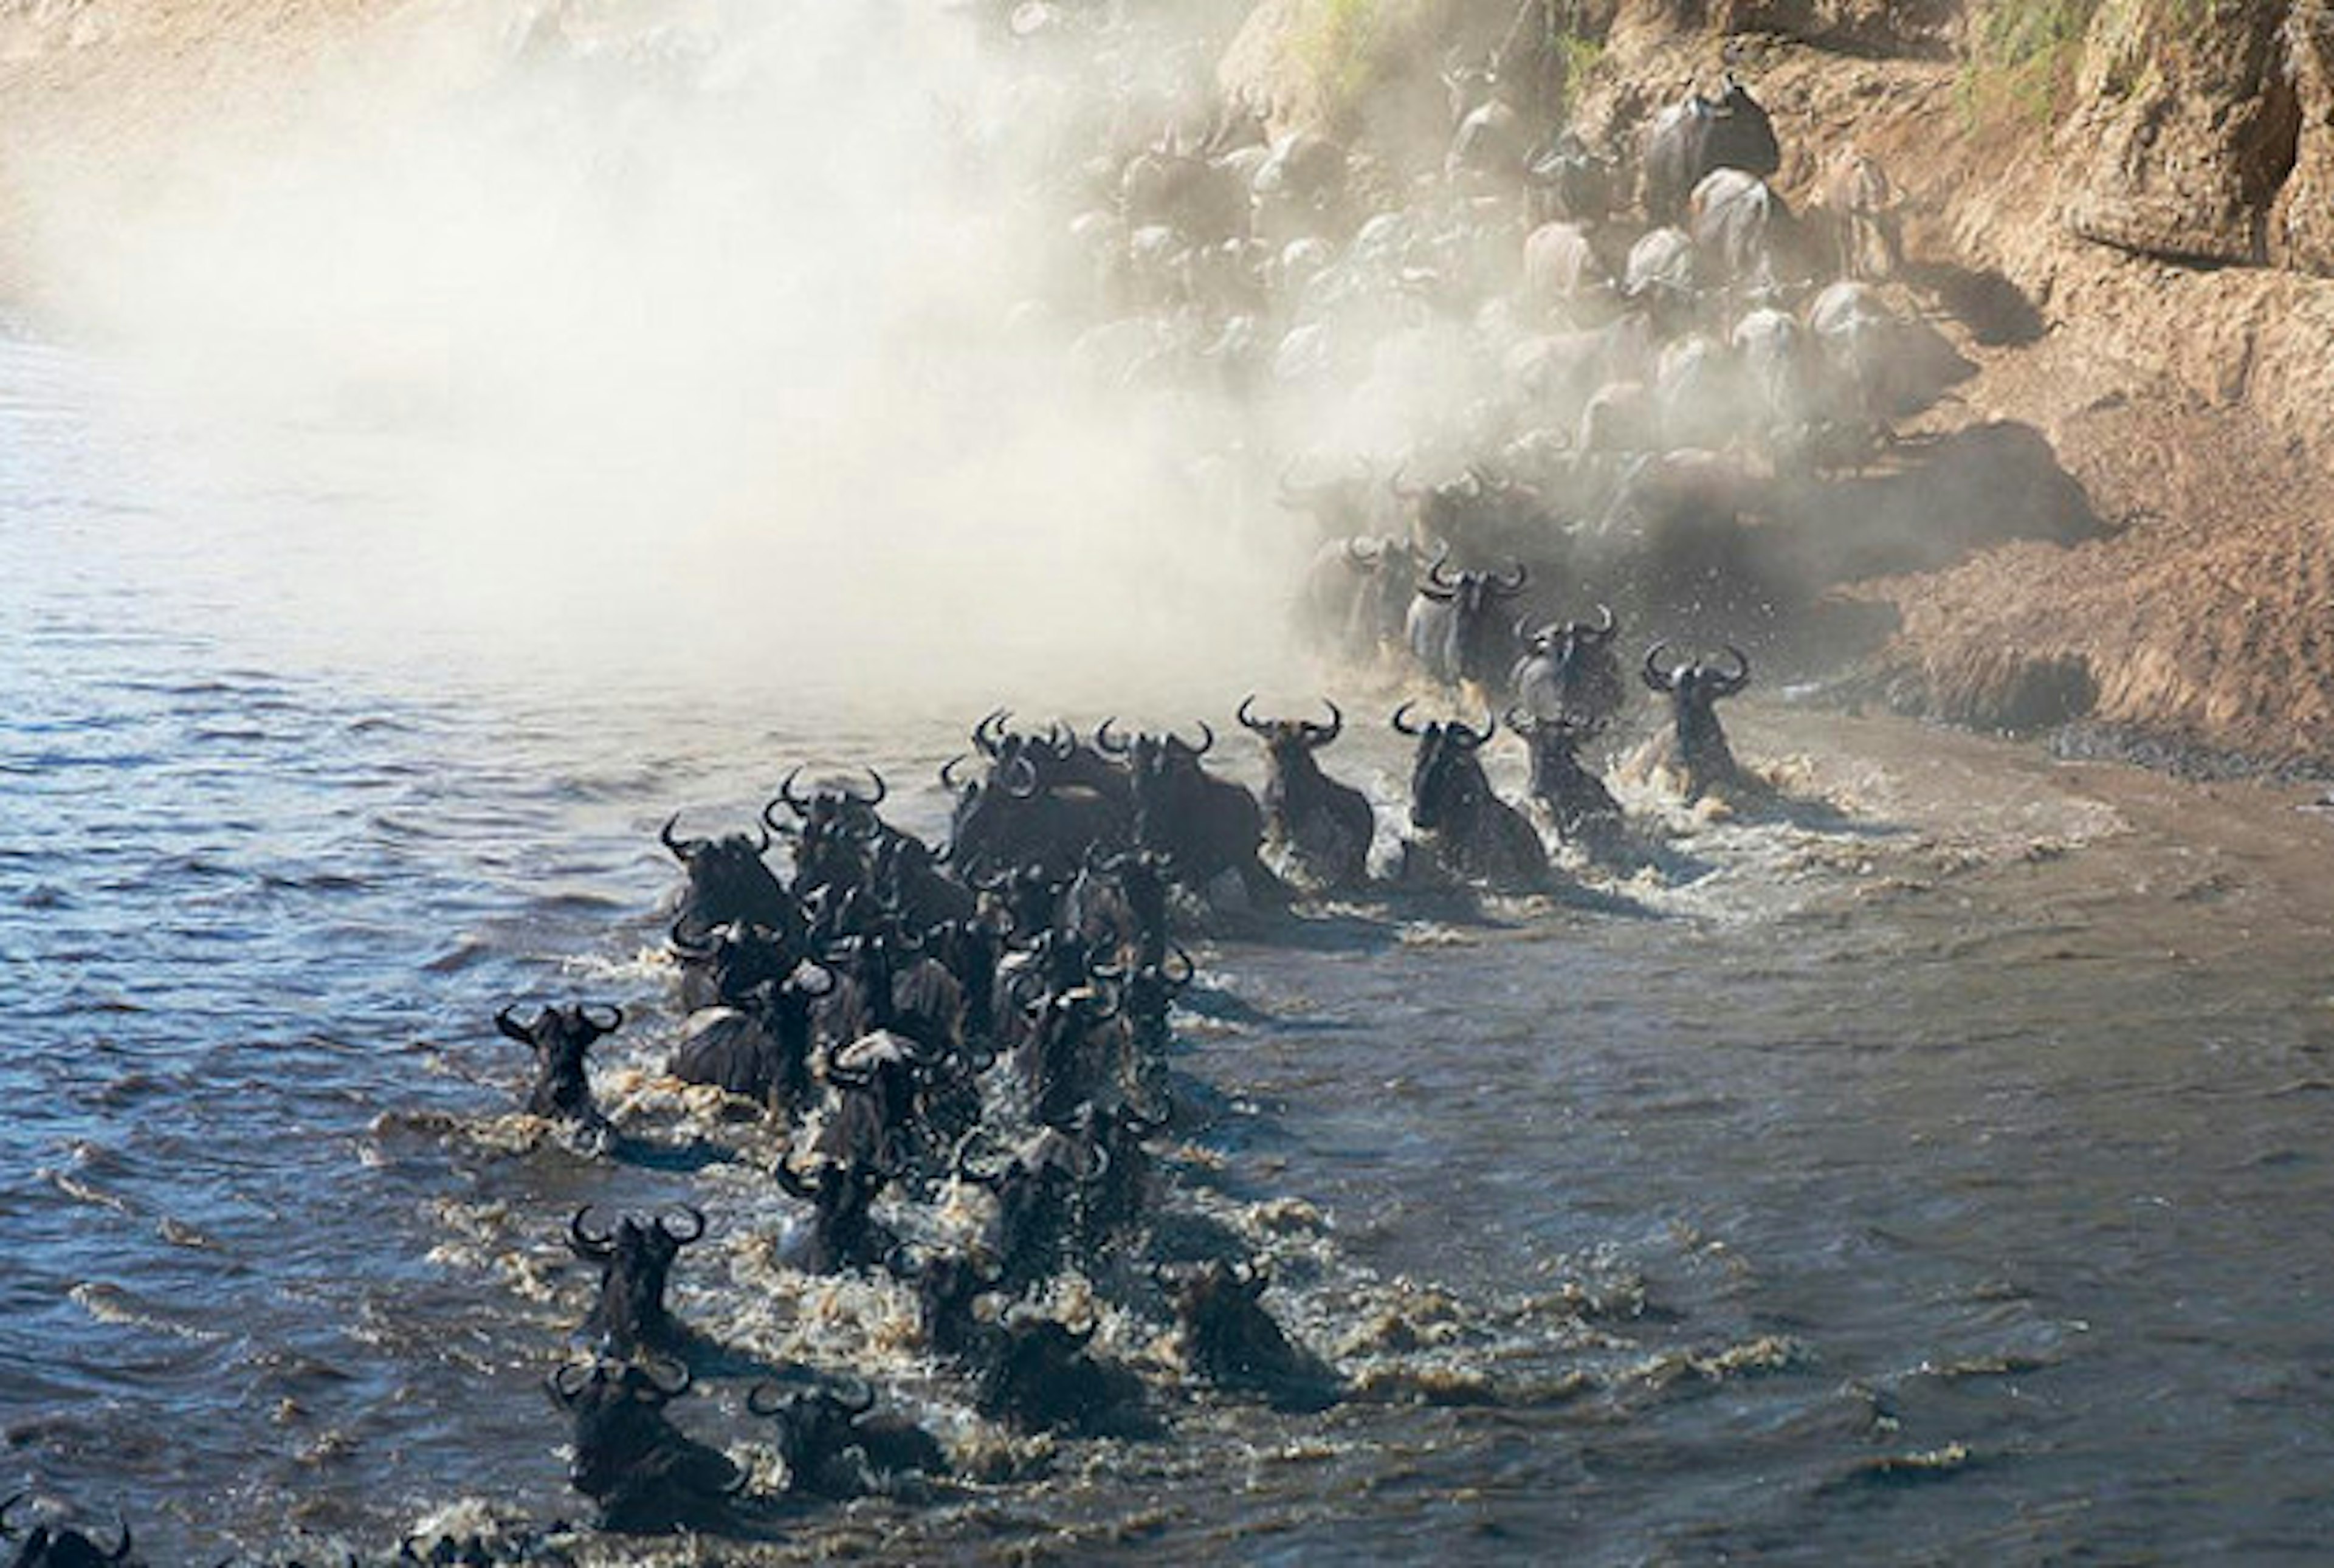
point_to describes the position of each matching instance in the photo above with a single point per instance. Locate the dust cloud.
(706, 344)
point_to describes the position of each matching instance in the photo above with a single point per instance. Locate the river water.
(1926, 1169)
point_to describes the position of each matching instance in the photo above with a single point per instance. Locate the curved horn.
(1191, 970)
(1469, 739)
(1742, 676)
(1019, 768)
(1249, 722)
(965, 1169)
(512, 1027)
(1437, 568)
(1096, 1166)
(1207, 741)
(795, 1183)
(1509, 587)
(121, 1552)
(689, 946)
(595, 1247)
(666, 1390)
(1400, 727)
(1319, 735)
(982, 741)
(1107, 742)
(1655, 676)
(947, 775)
(753, 1399)
(798, 804)
(558, 1381)
(863, 1403)
(1605, 627)
(1061, 740)
(615, 1016)
(697, 1226)
(681, 848)
(882, 789)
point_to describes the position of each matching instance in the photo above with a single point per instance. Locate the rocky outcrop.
(2302, 224)
(2191, 118)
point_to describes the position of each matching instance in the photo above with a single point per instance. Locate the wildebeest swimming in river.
(644, 1474)
(559, 1038)
(1475, 834)
(1323, 827)
(1698, 744)
(1231, 1339)
(635, 1262)
(834, 1447)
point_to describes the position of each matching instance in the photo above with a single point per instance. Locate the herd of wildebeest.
(995, 1012)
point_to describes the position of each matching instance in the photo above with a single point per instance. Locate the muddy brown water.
(1930, 1167)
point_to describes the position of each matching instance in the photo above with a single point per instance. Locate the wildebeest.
(1013, 820)
(1455, 629)
(843, 1232)
(722, 966)
(1571, 182)
(1867, 214)
(1563, 273)
(946, 1284)
(1231, 1341)
(1860, 344)
(559, 1038)
(1699, 747)
(757, 1048)
(1582, 809)
(1323, 827)
(63, 1546)
(1772, 354)
(1035, 1192)
(1695, 135)
(1354, 595)
(1475, 834)
(1568, 667)
(878, 1080)
(644, 1474)
(832, 1447)
(1036, 1374)
(634, 1261)
(1205, 825)
(1117, 905)
(1743, 232)
(729, 881)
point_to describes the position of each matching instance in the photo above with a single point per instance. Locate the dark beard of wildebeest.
(1323, 826)
(1692, 136)
(820, 1430)
(559, 1038)
(831, 832)
(728, 882)
(1355, 596)
(1693, 690)
(757, 1048)
(634, 1260)
(1456, 632)
(1205, 826)
(843, 1233)
(1117, 904)
(1577, 799)
(63, 1547)
(1035, 1374)
(1476, 834)
(645, 1475)
(729, 963)
(1232, 1342)
(947, 1286)
(1569, 669)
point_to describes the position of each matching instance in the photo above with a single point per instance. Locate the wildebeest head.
(1568, 667)
(818, 1429)
(832, 829)
(62, 1546)
(642, 1471)
(1291, 742)
(560, 1036)
(1038, 1377)
(946, 1284)
(634, 1260)
(724, 965)
(1062, 1065)
(1034, 1192)
(1471, 647)
(1693, 689)
(1575, 797)
(728, 880)
(1146, 997)
(842, 1195)
(1446, 780)
(1230, 1338)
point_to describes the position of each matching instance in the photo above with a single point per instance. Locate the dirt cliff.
(2119, 210)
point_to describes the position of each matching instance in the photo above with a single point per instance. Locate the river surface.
(1929, 1168)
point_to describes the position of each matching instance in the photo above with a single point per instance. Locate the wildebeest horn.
(1741, 674)
(965, 1169)
(1061, 740)
(1363, 552)
(1656, 676)
(753, 1399)
(1246, 721)
(1207, 740)
(615, 1016)
(982, 741)
(568, 1380)
(1606, 626)
(1143, 1122)
(1467, 738)
(871, 801)
(1097, 1165)
(1436, 569)
(596, 1247)
(787, 796)
(845, 1077)
(948, 775)
(1319, 735)
(697, 1226)
(1105, 742)
(121, 1552)
(512, 1027)
(1400, 727)
(681, 848)
(1190, 969)
(666, 1390)
(689, 946)
(1507, 587)
(1522, 723)
(795, 1181)
(860, 1404)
